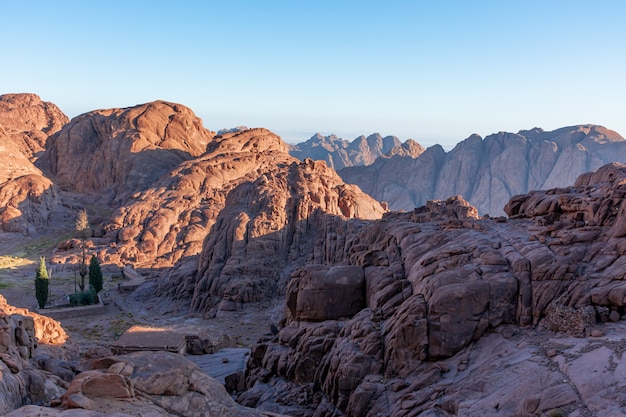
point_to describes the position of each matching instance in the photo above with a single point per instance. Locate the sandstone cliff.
(487, 172)
(29, 121)
(171, 219)
(339, 153)
(267, 227)
(393, 323)
(115, 153)
(28, 200)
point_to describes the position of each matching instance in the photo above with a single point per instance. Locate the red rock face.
(28, 199)
(29, 121)
(440, 279)
(118, 152)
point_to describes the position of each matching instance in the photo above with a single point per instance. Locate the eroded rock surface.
(28, 199)
(441, 285)
(115, 153)
(22, 336)
(29, 121)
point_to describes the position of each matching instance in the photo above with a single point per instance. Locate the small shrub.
(84, 298)
(42, 283)
(556, 412)
(95, 274)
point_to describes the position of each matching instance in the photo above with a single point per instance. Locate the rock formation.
(29, 121)
(115, 153)
(170, 220)
(487, 172)
(439, 286)
(339, 153)
(28, 199)
(26, 340)
(141, 383)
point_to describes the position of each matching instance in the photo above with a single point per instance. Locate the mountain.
(339, 153)
(488, 172)
(432, 311)
(28, 199)
(115, 153)
(29, 121)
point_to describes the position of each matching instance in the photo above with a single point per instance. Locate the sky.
(433, 71)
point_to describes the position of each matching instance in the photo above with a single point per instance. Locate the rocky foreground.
(440, 312)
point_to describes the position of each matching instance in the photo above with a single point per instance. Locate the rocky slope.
(40, 376)
(169, 221)
(487, 172)
(29, 201)
(29, 121)
(339, 153)
(115, 153)
(408, 315)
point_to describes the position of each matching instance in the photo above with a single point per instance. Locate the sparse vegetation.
(556, 412)
(42, 283)
(95, 274)
(82, 226)
(84, 298)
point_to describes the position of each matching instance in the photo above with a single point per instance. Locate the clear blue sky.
(435, 71)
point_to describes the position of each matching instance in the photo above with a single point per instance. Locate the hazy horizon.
(433, 72)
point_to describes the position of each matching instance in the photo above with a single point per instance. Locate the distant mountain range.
(487, 172)
(339, 153)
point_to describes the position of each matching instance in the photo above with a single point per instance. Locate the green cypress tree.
(95, 274)
(42, 283)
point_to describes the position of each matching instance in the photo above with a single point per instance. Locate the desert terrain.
(336, 305)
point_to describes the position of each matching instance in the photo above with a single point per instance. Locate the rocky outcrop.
(29, 121)
(24, 338)
(115, 153)
(488, 172)
(339, 153)
(440, 284)
(36, 382)
(170, 220)
(269, 225)
(163, 383)
(28, 199)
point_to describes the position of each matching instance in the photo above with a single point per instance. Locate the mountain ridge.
(488, 172)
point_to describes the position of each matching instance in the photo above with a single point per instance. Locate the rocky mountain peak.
(487, 172)
(29, 121)
(117, 152)
(340, 153)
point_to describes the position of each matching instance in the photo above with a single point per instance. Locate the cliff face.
(373, 328)
(268, 227)
(487, 172)
(117, 152)
(29, 121)
(339, 153)
(28, 200)
(247, 171)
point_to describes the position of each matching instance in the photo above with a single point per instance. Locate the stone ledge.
(58, 313)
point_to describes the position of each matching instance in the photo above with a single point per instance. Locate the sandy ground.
(243, 327)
